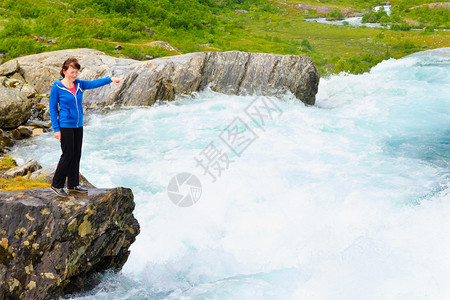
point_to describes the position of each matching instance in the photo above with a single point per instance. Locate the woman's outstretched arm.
(92, 84)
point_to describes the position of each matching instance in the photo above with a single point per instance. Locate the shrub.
(429, 29)
(15, 27)
(379, 16)
(401, 27)
(335, 15)
(306, 46)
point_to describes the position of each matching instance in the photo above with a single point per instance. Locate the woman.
(66, 114)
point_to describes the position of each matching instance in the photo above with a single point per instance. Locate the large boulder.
(15, 108)
(161, 79)
(49, 246)
(234, 72)
(260, 73)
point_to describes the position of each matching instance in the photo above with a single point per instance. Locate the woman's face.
(71, 73)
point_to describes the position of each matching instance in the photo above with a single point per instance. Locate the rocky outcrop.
(164, 78)
(49, 246)
(260, 73)
(15, 108)
(234, 72)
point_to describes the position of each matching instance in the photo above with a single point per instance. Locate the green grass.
(267, 27)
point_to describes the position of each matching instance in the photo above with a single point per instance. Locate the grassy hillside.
(33, 26)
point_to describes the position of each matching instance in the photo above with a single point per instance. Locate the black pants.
(69, 163)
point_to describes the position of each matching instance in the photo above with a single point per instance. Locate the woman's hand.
(58, 135)
(116, 80)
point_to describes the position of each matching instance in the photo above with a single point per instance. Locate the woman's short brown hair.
(70, 62)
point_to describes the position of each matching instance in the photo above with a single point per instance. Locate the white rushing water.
(347, 199)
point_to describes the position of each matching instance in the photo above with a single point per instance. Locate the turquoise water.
(347, 199)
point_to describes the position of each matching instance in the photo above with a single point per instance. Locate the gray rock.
(15, 108)
(161, 79)
(233, 72)
(9, 67)
(50, 246)
(29, 167)
(28, 90)
(262, 74)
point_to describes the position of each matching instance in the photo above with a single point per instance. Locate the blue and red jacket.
(66, 109)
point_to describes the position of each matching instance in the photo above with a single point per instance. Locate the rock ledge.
(49, 246)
